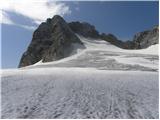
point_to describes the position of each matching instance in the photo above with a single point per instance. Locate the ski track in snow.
(106, 82)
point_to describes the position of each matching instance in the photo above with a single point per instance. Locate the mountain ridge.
(53, 40)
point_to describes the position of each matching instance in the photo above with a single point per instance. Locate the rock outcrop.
(112, 39)
(146, 38)
(84, 29)
(52, 40)
(140, 40)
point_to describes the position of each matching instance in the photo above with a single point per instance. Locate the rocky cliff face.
(146, 38)
(112, 39)
(140, 40)
(52, 40)
(84, 29)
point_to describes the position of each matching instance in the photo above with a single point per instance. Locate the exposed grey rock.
(112, 39)
(128, 45)
(52, 40)
(146, 38)
(141, 40)
(84, 29)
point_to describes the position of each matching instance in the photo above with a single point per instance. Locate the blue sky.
(123, 19)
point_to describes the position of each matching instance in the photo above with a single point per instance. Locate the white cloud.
(37, 10)
(5, 18)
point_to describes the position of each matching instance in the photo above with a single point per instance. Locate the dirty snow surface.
(101, 81)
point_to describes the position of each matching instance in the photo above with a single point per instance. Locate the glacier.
(101, 81)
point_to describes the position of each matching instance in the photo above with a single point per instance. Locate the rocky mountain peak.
(146, 38)
(52, 40)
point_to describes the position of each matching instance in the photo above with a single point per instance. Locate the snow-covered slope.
(100, 54)
(101, 81)
(79, 93)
